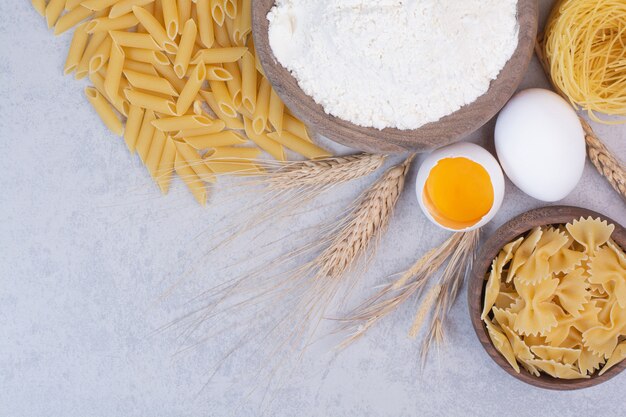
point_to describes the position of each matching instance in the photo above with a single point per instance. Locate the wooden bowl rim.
(475, 292)
(449, 129)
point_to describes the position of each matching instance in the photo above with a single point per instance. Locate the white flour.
(394, 63)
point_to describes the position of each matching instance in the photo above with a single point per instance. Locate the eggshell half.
(473, 153)
(541, 144)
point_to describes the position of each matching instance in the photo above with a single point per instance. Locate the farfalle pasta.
(555, 300)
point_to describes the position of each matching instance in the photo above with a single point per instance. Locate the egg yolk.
(458, 193)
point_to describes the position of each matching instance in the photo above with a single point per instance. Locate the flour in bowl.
(393, 63)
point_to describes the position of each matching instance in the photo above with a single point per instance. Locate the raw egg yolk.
(458, 193)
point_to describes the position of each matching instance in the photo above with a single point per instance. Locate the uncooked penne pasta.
(154, 28)
(194, 183)
(77, 48)
(191, 89)
(120, 103)
(184, 13)
(154, 153)
(245, 21)
(40, 6)
(122, 7)
(104, 110)
(276, 111)
(299, 145)
(295, 126)
(140, 67)
(135, 40)
(53, 11)
(105, 24)
(261, 110)
(219, 55)
(222, 96)
(72, 4)
(167, 72)
(166, 165)
(230, 8)
(205, 23)
(150, 83)
(234, 167)
(158, 12)
(176, 124)
(217, 11)
(232, 152)
(222, 37)
(151, 102)
(234, 83)
(133, 126)
(232, 122)
(97, 5)
(170, 17)
(215, 140)
(264, 142)
(216, 127)
(248, 82)
(213, 72)
(195, 162)
(146, 133)
(114, 71)
(100, 56)
(185, 48)
(147, 56)
(71, 19)
(229, 24)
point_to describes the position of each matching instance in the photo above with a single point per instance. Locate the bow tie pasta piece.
(588, 318)
(539, 314)
(618, 355)
(533, 370)
(495, 277)
(520, 349)
(537, 267)
(567, 356)
(603, 339)
(590, 233)
(534, 341)
(504, 317)
(505, 300)
(572, 292)
(502, 344)
(523, 252)
(566, 260)
(597, 290)
(607, 270)
(557, 370)
(589, 362)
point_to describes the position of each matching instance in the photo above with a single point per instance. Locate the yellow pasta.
(120, 103)
(299, 145)
(191, 179)
(140, 67)
(122, 7)
(205, 23)
(261, 111)
(219, 55)
(234, 167)
(170, 17)
(77, 48)
(100, 56)
(295, 126)
(195, 162)
(114, 71)
(151, 102)
(185, 48)
(217, 11)
(106, 24)
(264, 142)
(248, 82)
(214, 140)
(134, 40)
(222, 96)
(40, 6)
(218, 126)
(148, 56)
(53, 11)
(97, 5)
(72, 4)
(104, 110)
(222, 36)
(244, 28)
(146, 133)
(216, 73)
(71, 19)
(154, 28)
(184, 13)
(191, 89)
(150, 83)
(166, 165)
(276, 112)
(167, 72)
(234, 83)
(230, 8)
(133, 127)
(232, 152)
(176, 124)
(154, 153)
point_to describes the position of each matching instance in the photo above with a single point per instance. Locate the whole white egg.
(540, 143)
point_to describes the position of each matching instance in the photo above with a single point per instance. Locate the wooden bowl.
(475, 292)
(449, 129)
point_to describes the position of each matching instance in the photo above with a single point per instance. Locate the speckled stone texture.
(87, 248)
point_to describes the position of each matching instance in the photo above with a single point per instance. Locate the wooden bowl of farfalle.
(547, 297)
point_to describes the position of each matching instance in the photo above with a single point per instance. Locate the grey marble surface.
(88, 248)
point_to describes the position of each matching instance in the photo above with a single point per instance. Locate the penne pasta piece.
(216, 127)
(114, 71)
(151, 83)
(72, 4)
(154, 153)
(146, 133)
(222, 37)
(264, 142)
(53, 11)
(134, 40)
(104, 110)
(232, 122)
(40, 6)
(222, 96)
(215, 140)
(245, 21)
(195, 162)
(194, 183)
(133, 127)
(151, 102)
(261, 110)
(71, 19)
(299, 145)
(100, 56)
(230, 8)
(236, 35)
(216, 73)
(154, 28)
(295, 126)
(120, 103)
(234, 167)
(276, 111)
(97, 5)
(191, 89)
(217, 11)
(231, 152)
(123, 7)
(146, 55)
(219, 55)
(205, 23)
(77, 48)
(185, 48)
(167, 72)
(140, 67)
(158, 12)
(248, 82)
(184, 13)
(229, 24)
(106, 24)
(166, 165)
(170, 18)
(176, 124)
(234, 84)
